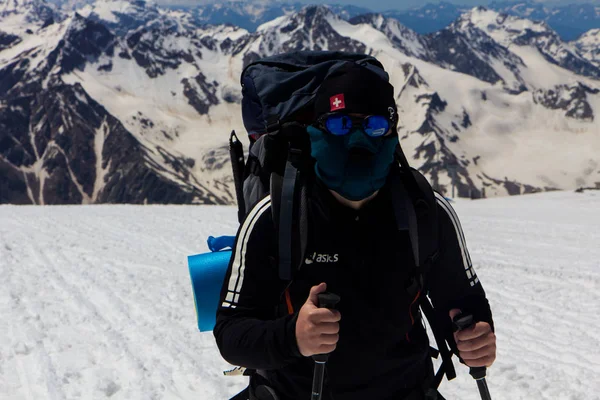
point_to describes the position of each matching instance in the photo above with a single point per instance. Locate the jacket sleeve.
(247, 330)
(452, 281)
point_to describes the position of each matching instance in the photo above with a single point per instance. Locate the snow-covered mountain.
(250, 15)
(121, 16)
(91, 112)
(428, 18)
(568, 21)
(589, 46)
(20, 17)
(75, 122)
(523, 33)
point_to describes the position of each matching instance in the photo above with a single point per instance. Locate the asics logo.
(322, 258)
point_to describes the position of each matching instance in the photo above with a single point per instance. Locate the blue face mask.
(354, 175)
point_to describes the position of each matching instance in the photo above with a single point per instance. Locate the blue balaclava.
(354, 165)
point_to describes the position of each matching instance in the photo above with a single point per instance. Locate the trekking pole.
(463, 321)
(326, 300)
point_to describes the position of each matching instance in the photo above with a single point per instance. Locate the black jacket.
(383, 350)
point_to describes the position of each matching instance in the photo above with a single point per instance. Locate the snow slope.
(97, 303)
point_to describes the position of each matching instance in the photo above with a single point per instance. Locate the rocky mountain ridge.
(96, 112)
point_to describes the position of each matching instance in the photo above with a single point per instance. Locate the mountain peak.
(121, 16)
(404, 39)
(19, 15)
(502, 27)
(84, 40)
(18, 5)
(308, 17)
(314, 11)
(592, 34)
(589, 46)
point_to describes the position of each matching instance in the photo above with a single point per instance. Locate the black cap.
(355, 89)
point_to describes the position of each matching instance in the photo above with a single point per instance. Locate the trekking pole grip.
(330, 301)
(464, 321)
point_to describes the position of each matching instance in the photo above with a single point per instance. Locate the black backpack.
(278, 92)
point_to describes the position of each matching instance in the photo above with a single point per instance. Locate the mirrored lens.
(338, 124)
(376, 125)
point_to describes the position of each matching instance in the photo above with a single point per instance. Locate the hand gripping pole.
(326, 300)
(464, 321)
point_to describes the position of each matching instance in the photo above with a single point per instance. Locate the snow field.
(97, 301)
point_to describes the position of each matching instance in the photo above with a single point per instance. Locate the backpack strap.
(415, 209)
(289, 198)
(236, 154)
(406, 216)
(447, 366)
(286, 216)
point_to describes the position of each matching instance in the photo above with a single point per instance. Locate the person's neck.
(354, 204)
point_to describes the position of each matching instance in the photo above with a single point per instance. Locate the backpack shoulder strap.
(447, 367)
(289, 199)
(415, 210)
(236, 154)
(427, 220)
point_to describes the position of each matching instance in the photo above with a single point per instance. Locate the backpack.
(278, 92)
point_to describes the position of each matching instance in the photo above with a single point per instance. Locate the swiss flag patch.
(337, 102)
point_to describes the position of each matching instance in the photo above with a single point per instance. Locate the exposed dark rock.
(216, 159)
(209, 43)
(240, 45)
(59, 188)
(13, 189)
(106, 67)
(145, 46)
(512, 188)
(403, 38)
(454, 50)
(200, 94)
(7, 40)
(84, 42)
(48, 22)
(572, 99)
(466, 121)
(62, 122)
(124, 54)
(434, 105)
(12, 74)
(226, 45)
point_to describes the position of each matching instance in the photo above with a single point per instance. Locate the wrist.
(293, 341)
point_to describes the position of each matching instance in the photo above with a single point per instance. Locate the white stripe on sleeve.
(445, 205)
(239, 263)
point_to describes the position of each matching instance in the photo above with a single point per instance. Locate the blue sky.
(379, 5)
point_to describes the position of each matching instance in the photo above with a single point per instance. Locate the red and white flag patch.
(337, 102)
